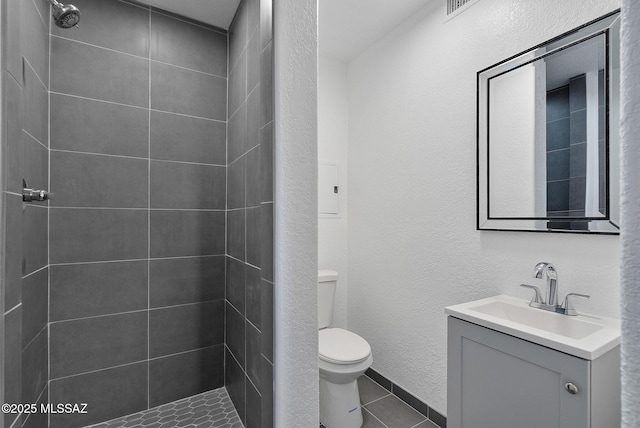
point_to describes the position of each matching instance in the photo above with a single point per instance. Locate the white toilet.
(343, 358)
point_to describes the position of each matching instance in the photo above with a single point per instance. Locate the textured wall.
(138, 165)
(249, 285)
(413, 247)
(25, 153)
(630, 156)
(296, 213)
(333, 136)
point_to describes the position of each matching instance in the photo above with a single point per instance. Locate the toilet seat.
(339, 346)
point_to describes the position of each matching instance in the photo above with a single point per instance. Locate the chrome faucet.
(548, 271)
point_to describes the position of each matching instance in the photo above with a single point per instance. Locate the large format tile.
(187, 186)
(266, 301)
(235, 184)
(238, 84)
(253, 418)
(254, 354)
(266, 163)
(187, 233)
(185, 328)
(93, 72)
(178, 90)
(266, 85)
(235, 287)
(110, 24)
(253, 178)
(89, 344)
(91, 289)
(35, 169)
(88, 180)
(39, 419)
(234, 381)
(13, 112)
(235, 234)
(266, 22)
(87, 235)
(12, 360)
(35, 305)
(253, 59)
(235, 333)
(186, 280)
(106, 128)
(187, 45)
(267, 393)
(187, 139)
(108, 393)
(265, 234)
(370, 390)
(253, 119)
(237, 133)
(254, 236)
(183, 375)
(13, 39)
(12, 251)
(394, 413)
(34, 247)
(238, 32)
(370, 421)
(35, 370)
(36, 106)
(35, 40)
(253, 297)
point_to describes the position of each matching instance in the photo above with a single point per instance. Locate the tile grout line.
(376, 418)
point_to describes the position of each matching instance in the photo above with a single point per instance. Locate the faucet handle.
(568, 307)
(537, 298)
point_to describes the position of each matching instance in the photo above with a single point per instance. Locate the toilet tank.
(327, 282)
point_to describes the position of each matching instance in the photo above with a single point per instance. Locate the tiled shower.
(148, 277)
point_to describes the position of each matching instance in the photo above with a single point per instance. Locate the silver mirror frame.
(609, 224)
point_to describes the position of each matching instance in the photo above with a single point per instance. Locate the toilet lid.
(340, 346)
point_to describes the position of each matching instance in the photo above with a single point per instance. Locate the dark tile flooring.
(211, 409)
(381, 409)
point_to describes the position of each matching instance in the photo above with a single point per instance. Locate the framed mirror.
(548, 143)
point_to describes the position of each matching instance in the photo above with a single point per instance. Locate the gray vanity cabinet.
(499, 381)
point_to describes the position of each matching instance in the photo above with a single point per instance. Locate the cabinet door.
(499, 381)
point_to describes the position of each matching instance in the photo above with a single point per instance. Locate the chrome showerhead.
(65, 15)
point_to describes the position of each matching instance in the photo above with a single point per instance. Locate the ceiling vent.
(455, 7)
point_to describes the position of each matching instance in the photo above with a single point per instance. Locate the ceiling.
(348, 27)
(218, 13)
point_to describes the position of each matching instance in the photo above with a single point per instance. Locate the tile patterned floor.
(212, 409)
(381, 409)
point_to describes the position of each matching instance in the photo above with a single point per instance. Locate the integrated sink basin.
(585, 336)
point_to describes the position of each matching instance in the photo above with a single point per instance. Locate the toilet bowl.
(343, 357)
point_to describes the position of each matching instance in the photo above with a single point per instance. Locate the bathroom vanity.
(510, 366)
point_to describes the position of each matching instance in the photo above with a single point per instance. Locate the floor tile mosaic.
(212, 409)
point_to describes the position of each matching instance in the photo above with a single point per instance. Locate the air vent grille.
(453, 5)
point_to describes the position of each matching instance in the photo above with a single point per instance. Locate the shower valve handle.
(30, 195)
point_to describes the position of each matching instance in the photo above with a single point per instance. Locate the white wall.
(333, 136)
(295, 213)
(413, 248)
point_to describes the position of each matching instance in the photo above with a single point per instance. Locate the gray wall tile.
(253, 417)
(34, 368)
(236, 234)
(235, 184)
(235, 333)
(558, 104)
(111, 24)
(87, 180)
(255, 236)
(186, 280)
(266, 84)
(39, 419)
(266, 241)
(36, 163)
(238, 33)
(253, 295)
(266, 163)
(267, 319)
(187, 45)
(13, 43)
(12, 360)
(253, 119)
(267, 394)
(558, 165)
(185, 328)
(183, 375)
(253, 58)
(35, 40)
(187, 186)
(36, 105)
(35, 305)
(558, 134)
(12, 251)
(87, 235)
(186, 233)
(188, 139)
(13, 119)
(253, 178)
(237, 130)
(106, 128)
(234, 381)
(235, 287)
(93, 72)
(178, 90)
(254, 354)
(91, 289)
(34, 248)
(108, 393)
(266, 22)
(89, 344)
(238, 84)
